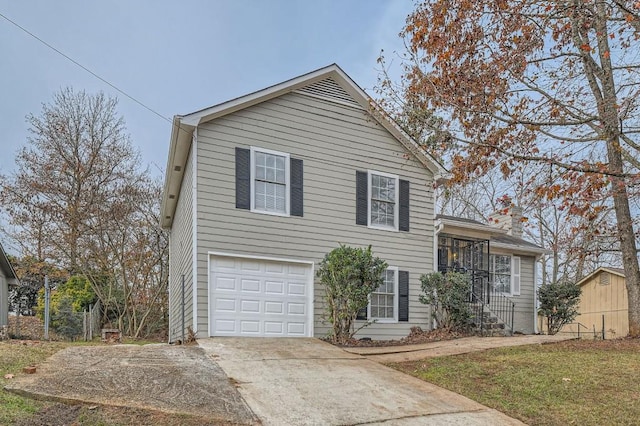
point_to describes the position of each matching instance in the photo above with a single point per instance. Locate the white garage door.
(253, 297)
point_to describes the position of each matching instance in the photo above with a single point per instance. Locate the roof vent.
(177, 168)
(167, 217)
(171, 196)
(605, 278)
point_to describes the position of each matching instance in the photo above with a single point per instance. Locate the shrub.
(349, 275)
(66, 305)
(559, 304)
(448, 296)
(65, 320)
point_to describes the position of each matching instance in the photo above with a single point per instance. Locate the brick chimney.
(509, 219)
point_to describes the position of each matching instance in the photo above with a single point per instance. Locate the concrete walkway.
(310, 382)
(390, 354)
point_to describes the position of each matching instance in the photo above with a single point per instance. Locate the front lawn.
(575, 382)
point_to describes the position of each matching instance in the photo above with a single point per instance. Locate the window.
(504, 273)
(269, 182)
(384, 300)
(382, 201)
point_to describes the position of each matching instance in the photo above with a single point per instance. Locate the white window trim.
(512, 275)
(287, 181)
(396, 297)
(396, 209)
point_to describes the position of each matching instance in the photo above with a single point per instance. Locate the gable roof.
(497, 237)
(615, 271)
(348, 92)
(6, 267)
(461, 222)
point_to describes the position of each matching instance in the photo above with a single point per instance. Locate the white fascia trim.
(333, 70)
(531, 251)
(477, 227)
(287, 181)
(310, 298)
(396, 207)
(245, 101)
(194, 228)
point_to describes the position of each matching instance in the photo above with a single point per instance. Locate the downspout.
(535, 294)
(437, 228)
(194, 231)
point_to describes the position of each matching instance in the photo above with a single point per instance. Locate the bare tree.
(81, 199)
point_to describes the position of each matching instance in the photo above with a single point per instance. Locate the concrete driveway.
(310, 382)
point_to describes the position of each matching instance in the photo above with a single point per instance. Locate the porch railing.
(491, 303)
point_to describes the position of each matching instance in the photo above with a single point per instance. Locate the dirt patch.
(620, 344)
(174, 380)
(63, 415)
(415, 337)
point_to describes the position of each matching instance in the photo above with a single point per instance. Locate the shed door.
(254, 297)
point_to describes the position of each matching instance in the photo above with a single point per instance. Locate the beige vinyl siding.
(334, 140)
(181, 257)
(523, 318)
(598, 300)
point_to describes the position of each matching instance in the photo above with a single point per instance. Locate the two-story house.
(258, 189)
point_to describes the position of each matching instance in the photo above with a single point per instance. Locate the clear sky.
(179, 56)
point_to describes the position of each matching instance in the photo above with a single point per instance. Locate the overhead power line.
(85, 68)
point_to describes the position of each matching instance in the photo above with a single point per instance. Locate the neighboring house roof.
(6, 267)
(183, 126)
(615, 271)
(497, 237)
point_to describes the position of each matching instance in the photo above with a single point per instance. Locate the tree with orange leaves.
(554, 82)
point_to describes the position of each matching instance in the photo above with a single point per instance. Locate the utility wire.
(86, 69)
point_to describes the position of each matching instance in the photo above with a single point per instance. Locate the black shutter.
(404, 205)
(362, 193)
(297, 196)
(403, 293)
(243, 178)
(362, 314)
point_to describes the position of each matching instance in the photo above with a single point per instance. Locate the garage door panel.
(298, 271)
(274, 287)
(224, 264)
(296, 329)
(296, 309)
(275, 268)
(297, 289)
(224, 326)
(273, 307)
(255, 297)
(250, 266)
(250, 284)
(250, 327)
(225, 283)
(250, 306)
(276, 328)
(228, 305)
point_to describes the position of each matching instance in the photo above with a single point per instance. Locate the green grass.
(14, 356)
(578, 382)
